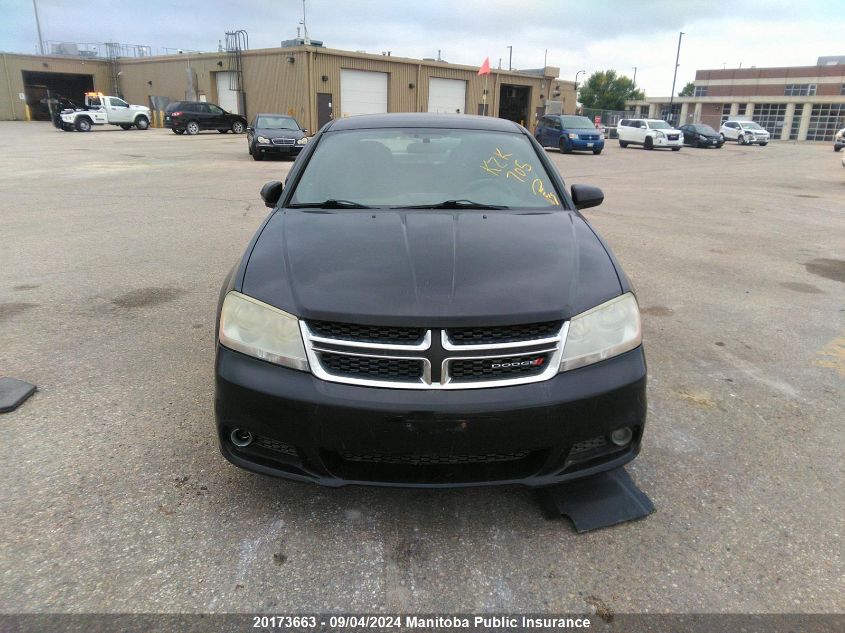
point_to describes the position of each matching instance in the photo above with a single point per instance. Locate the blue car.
(569, 133)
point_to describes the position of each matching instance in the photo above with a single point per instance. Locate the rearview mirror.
(586, 196)
(271, 192)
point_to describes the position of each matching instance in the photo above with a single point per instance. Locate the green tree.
(688, 90)
(605, 90)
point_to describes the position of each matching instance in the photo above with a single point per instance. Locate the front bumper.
(282, 150)
(665, 142)
(586, 145)
(336, 434)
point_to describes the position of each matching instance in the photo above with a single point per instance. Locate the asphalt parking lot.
(113, 246)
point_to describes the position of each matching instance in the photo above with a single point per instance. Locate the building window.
(771, 116)
(701, 91)
(842, 89)
(825, 120)
(726, 113)
(673, 115)
(799, 90)
(796, 122)
(741, 110)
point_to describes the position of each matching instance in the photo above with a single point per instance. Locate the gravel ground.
(113, 246)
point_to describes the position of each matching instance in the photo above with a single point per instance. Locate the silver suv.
(744, 132)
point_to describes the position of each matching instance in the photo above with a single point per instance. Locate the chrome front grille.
(283, 141)
(420, 358)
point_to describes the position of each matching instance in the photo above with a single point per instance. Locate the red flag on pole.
(485, 67)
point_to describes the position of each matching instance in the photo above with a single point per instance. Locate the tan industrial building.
(803, 103)
(314, 84)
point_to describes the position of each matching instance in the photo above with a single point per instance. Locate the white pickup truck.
(102, 109)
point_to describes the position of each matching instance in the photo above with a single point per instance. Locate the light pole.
(674, 77)
(38, 26)
(635, 77)
(576, 88)
(510, 57)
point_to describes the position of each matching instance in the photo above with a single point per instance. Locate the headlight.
(659, 134)
(302, 141)
(573, 135)
(607, 330)
(262, 139)
(260, 330)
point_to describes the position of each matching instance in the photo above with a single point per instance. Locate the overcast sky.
(584, 34)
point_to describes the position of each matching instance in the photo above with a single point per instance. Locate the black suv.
(193, 116)
(426, 306)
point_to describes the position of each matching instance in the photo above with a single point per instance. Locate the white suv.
(744, 132)
(649, 133)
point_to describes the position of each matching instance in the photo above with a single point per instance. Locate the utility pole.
(38, 26)
(510, 57)
(675, 76)
(635, 77)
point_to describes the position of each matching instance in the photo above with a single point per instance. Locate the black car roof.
(286, 116)
(424, 119)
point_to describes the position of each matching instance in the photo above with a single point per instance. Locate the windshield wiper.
(454, 204)
(331, 203)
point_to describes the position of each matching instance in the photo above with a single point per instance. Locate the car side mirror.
(586, 196)
(249, 128)
(305, 130)
(271, 192)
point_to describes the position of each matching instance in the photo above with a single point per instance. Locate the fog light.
(241, 438)
(621, 437)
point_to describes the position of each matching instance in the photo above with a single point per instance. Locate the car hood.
(757, 132)
(278, 133)
(434, 268)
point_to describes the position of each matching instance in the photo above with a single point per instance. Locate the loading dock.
(41, 86)
(514, 102)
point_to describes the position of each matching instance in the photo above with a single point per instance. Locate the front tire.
(83, 124)
(125, 126)
(596, 152)
(764, 144)
(177, 131)
(257, 156)
(723, 138)
(740, 139)
(676, 149)
(237, 127)
(649, 143)
(623, 144)
(192, 128)
(142, 123)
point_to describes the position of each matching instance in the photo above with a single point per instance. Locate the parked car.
(700, 135)
(275, 134)
(427, 306)
(649, 133)
(193, 116)
(568, 133)
(744, 132)
(839, 140)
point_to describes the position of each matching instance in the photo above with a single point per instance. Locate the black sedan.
(699, 135)
(277, 134)
(427, 306)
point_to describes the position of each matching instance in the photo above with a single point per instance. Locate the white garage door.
(226, 98)
(447, 96)
(362, 92)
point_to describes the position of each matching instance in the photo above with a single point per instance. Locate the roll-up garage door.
(447, 96)
(362, 92)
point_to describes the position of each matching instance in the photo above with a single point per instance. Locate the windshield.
(704, 129)
(750, 125)
(413, 167)
(577, 123)
(277, 123)
(659, 125)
